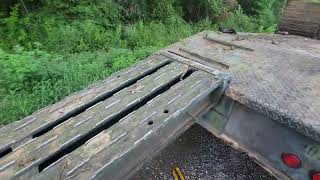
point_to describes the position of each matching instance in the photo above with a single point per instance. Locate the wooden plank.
(133, 140)
(79, 126)
(143, 108)
(65, 109)
(301, 18)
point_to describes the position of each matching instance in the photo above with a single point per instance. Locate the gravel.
(200, 155)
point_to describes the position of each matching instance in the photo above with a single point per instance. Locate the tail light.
(291, 160)
(315, 176)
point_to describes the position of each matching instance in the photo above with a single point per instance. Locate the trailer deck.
(276, 75)
(111, 128)
(117, 123)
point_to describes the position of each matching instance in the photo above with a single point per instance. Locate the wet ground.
(202, 156)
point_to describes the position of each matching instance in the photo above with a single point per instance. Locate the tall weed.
(80, 36)
(22, 69)
(61, 46)
(156, 33)
(82, 70)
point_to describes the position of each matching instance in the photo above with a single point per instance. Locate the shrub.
(22, 69)
(239, 21)
(58, 23)
(156, 33)
(103, 12)
(146, 10)
(82, 70)
(12, 30)
(265, 12)
(68, 44)
(196, 10)
(205, 25)
(80, 36)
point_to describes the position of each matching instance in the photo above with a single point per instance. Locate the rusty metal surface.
(278, 76)
(143, 108)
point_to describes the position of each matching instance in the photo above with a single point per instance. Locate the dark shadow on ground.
(200, 155)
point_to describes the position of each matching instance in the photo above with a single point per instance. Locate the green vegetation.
(50, 49)
(315, 1)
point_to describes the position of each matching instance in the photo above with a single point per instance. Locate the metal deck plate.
(276, 75)
(109, 129)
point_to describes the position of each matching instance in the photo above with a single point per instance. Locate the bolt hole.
(118, 76)
(166, 111)
(150, 123)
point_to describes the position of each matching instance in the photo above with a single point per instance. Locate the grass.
(82, 69)
(47, 56)
(60, 75)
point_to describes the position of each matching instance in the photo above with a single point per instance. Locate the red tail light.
(291, 160)
(316, 176)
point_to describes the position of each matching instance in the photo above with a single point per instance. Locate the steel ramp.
(108, 130)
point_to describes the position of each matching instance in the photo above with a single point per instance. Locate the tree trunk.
(301, 18)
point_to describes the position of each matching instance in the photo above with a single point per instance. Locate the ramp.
(112, 127)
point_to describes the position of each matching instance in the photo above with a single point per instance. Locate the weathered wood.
(59, 112)
(301, 18)
(149, 105)
(139, 139)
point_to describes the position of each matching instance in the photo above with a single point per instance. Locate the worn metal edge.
(276, 114)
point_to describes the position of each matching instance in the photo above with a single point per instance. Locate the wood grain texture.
(301, 18)
(149, 106)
